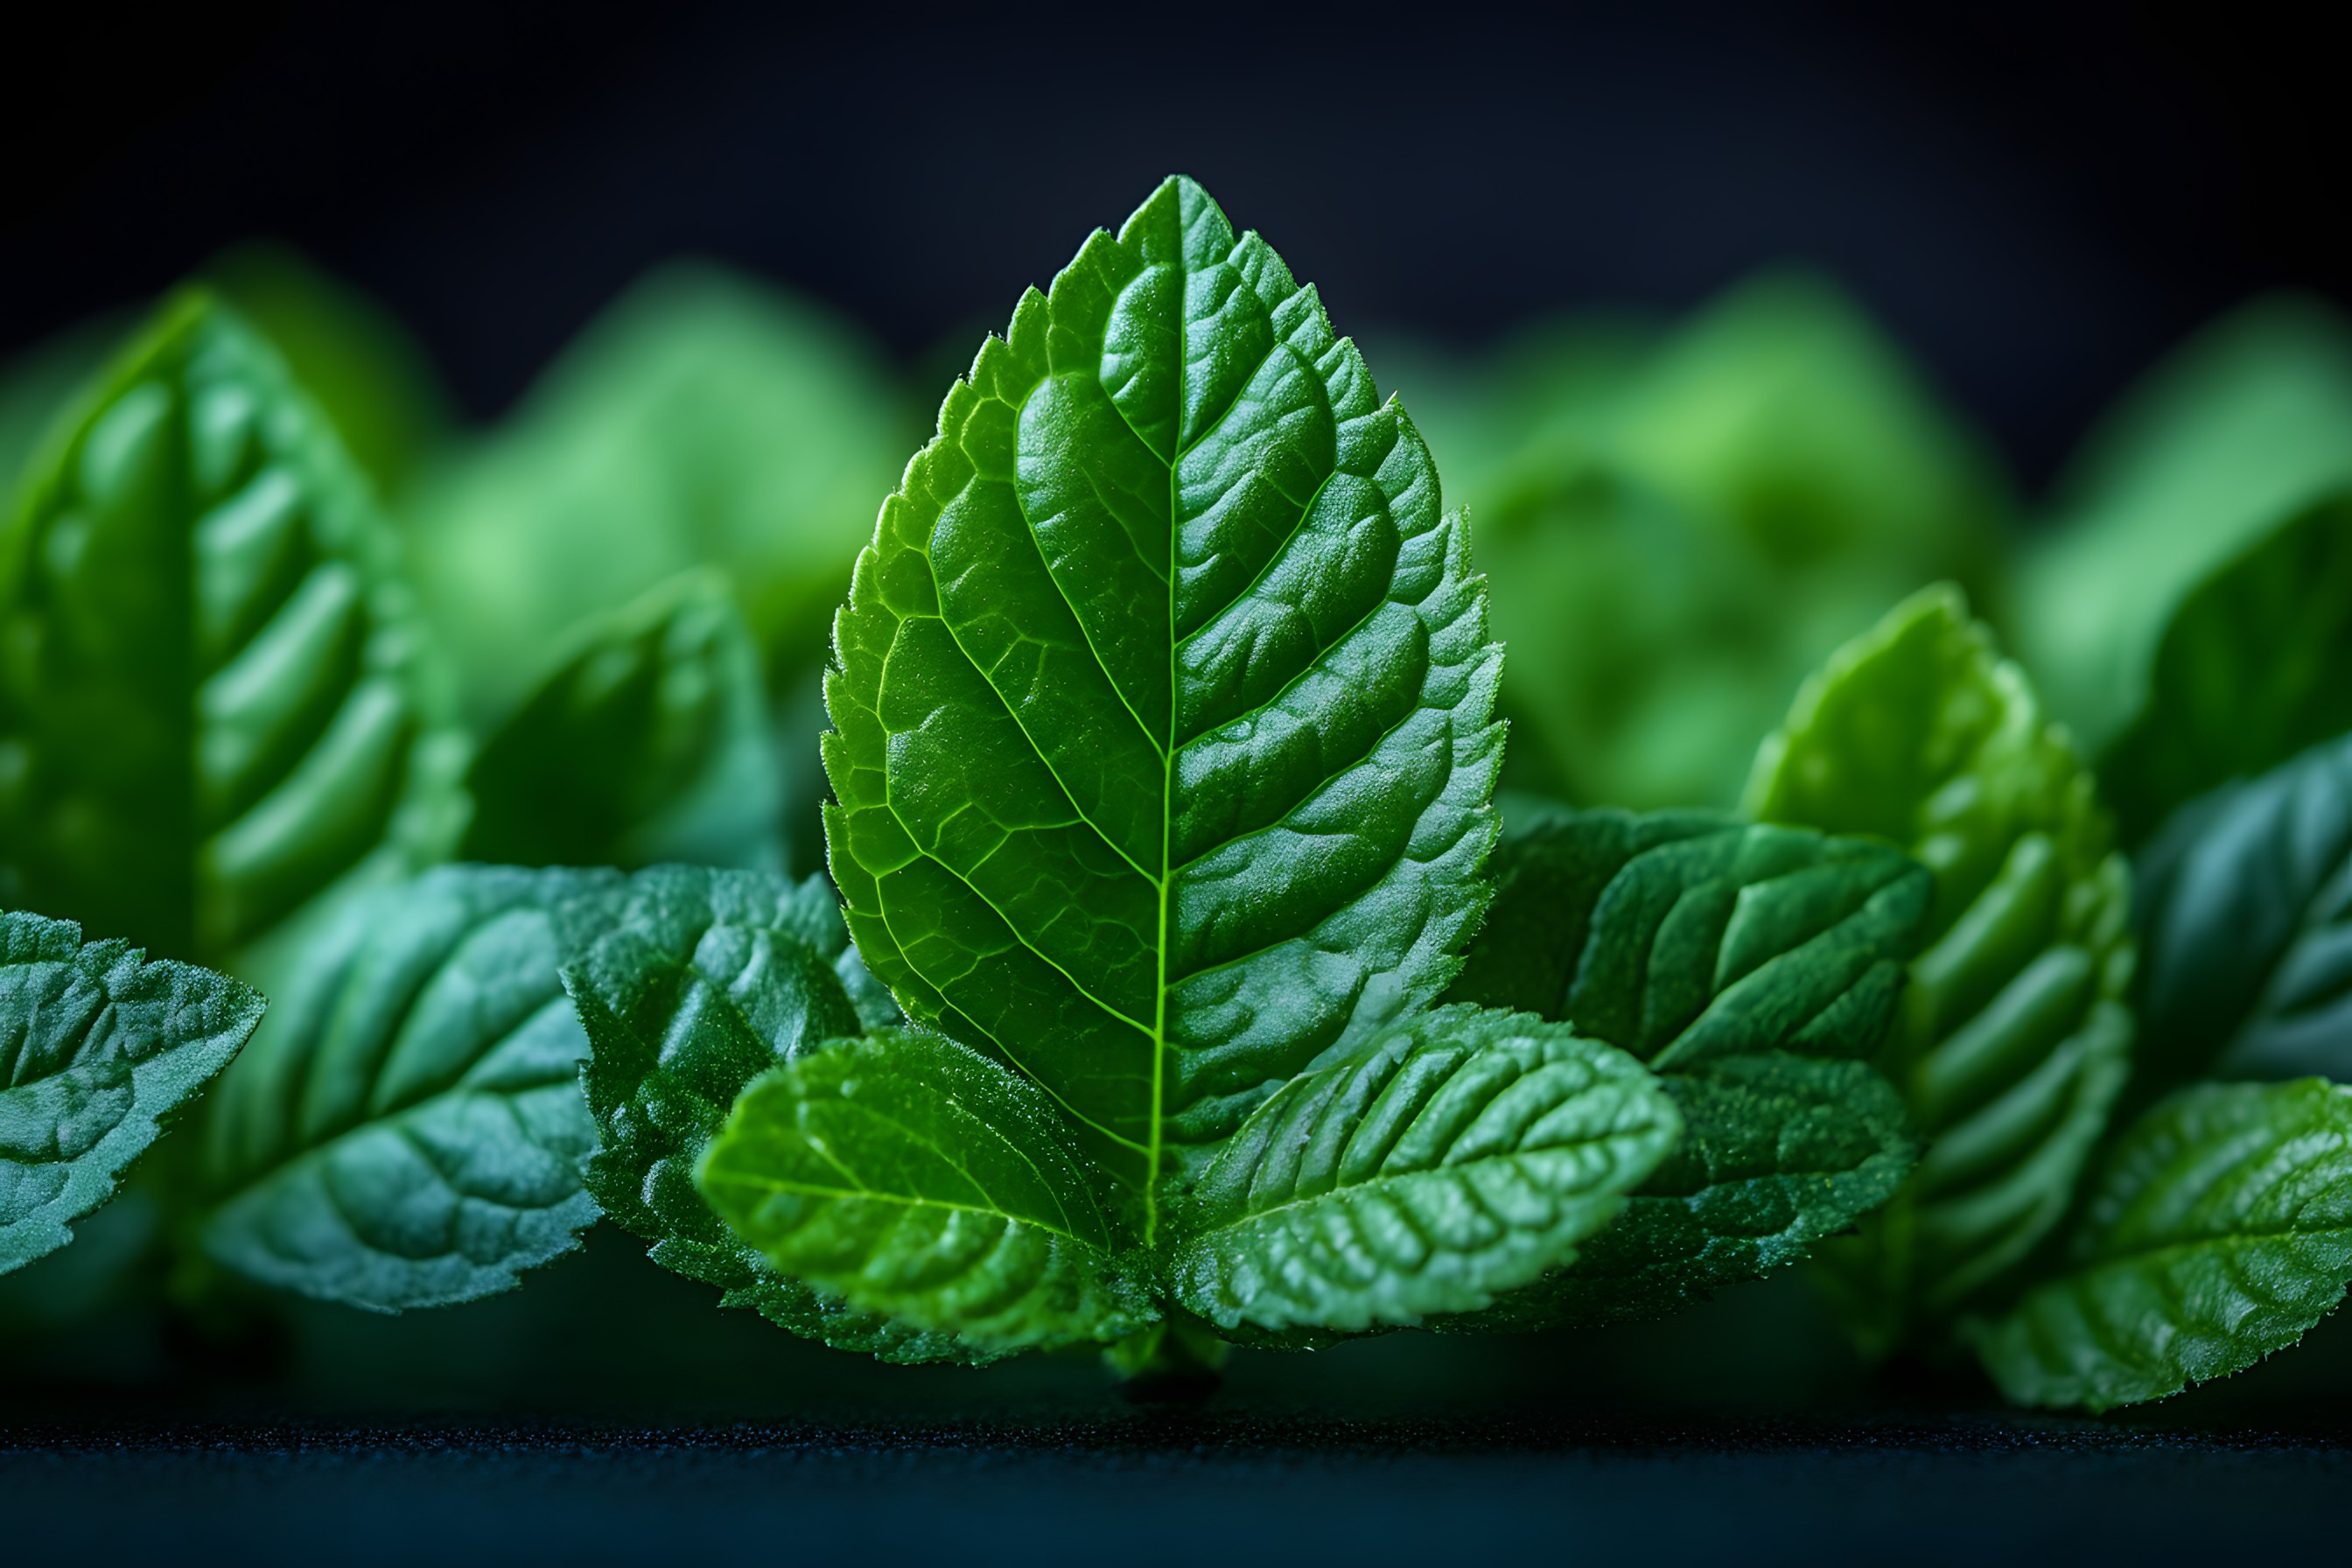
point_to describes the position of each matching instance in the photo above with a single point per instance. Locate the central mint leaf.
(1163, 700)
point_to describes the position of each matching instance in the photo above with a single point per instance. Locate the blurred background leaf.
(1676, 526)
(703, 419)
(354, 358)
(648, 741)
(2229, 435)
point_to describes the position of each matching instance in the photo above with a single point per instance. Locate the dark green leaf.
(408, 1131)
(1450, 1159)
(2255, 666)
(2220, 1230)
(1163, 747)
(2249, 422)
(1783, 1150)
(209, 712)
(2014, 1039)
(701, 982)
(648, 741)
(2246, 922)
(1750, 965)
(97, 1047)
(924, 1181)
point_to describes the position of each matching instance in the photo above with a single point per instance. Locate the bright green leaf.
(700, 982)
(2255, 666)
(2248, 423)
(209, 712)
(1163, 748)
(924, 1181)
(702, 420)
(97, 1047)
(1453, 1158)
(408, 1131)
(2014, 1040)
(2219, 1231)
(647, 741)
(1750, 965)
(2246, 924)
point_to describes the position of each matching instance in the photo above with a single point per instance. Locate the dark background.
(2038, 199)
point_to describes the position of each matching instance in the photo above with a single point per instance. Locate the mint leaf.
(923, 1182)
(211, 716)
(2249, 670)
(2246, 925)
(2244, 424)
(705, 419)
(408, 1131)
(647, 741)
(700, 982)
(2219, 1231)
(2014, 1039)
(1750, 965)
(1162, 743)
(1450, 1159)
(97, 1047)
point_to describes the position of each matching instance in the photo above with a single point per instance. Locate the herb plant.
(1177, 980)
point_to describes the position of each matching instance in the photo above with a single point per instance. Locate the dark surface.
(2040, 198)
(604, 1411)
(1149, 1486)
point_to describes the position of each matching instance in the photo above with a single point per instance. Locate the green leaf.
(924, 1181)
(2239, 429)
(2219, 1231)
(2014, 1041)
(1162, 750)
(2245, 920)
(97, 1047)
(209, 712)
(2252, 669)
(356, 360)
(1450, 1159)
(701, 982)
(647, 741)
(703, 419)
(1750, 965)
(408, 1131)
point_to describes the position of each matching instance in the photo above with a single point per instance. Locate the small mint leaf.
(926, 1183)
(97, 1047)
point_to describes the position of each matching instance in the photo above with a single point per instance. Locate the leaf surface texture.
(1458, 1156)
(701, 982)
(2014, 1040)
(1162, 704)
(409, 1129)
(927, 1183)
(2219, 1231)
(97, 1045)
(1752, 967)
